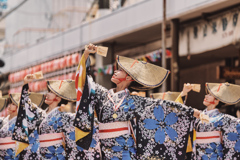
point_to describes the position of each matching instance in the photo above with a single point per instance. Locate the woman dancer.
(7, 145)
(162, 126)
(55, 128)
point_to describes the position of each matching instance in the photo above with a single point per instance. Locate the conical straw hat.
(144, 73)
(3, 103)
(225, 92)
(36, 98)
(63, 88)
(15, 98)
(172, 96)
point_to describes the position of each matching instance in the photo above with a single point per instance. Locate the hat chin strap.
(13, 110)
(52, 100)
(123, 79)
(212, 102)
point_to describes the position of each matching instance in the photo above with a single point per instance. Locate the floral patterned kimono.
(218, 139)
(7, 150)
(207, 145)
(162, 126)
(56, 125)
(6, 132)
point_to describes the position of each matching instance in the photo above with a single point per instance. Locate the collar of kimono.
(116, 106)
(211, 111)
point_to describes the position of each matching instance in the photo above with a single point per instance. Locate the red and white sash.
(114, 129)
(208, 137)
(50, 139)
(7, 142)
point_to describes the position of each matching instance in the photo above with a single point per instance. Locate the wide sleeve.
(136, 106)
(89, 95)
(231, 136)
(163, 126)
(27, 120)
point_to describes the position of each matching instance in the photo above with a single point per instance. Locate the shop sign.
(228, 72)
(210, 33)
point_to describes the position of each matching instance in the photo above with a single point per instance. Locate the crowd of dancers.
(115, 124)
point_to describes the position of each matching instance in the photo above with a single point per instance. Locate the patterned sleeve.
(231, 136)
(69, 135)
(136, 106)
(27, 118)
(160, 124)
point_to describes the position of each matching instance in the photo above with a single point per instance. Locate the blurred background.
(201, 37)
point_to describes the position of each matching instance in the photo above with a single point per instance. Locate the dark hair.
(9, 101)
(220, 104)
(63, 101)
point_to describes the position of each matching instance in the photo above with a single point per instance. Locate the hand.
(186, 88)
(89, 49)
(29, 78)
(196, 113)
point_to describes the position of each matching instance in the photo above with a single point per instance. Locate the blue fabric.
(55, 122)
(123, 146)
(213, 152)
(163, 125)
(235, 137)
(128, 105)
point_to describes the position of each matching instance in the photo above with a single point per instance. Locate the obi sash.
(208, 137)
(50, 139)
(7, 142)
(114, 129)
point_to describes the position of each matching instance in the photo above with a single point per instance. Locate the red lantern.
(75, 58)
(69, 60)
(36, 68)
(62, 63)
(44, 68)
(10, 78)
(50, 66)
(55, 64)
(71, 76)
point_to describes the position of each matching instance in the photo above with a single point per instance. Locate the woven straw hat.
(172, 96)
(3, 103)
(225, 92)
(146, 74)
(65, 89)
(36, 98)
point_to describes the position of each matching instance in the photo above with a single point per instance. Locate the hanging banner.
(210, 34)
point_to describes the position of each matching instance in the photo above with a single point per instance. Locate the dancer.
(55, 128)
(7, 145)
(218, 139)
(162, 126)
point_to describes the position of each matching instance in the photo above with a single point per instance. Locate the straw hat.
(172, 96)
(146, 74)
(36, 98)
(225, 92)
(64, 89)
(3, 103)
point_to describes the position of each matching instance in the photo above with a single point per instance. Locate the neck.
(211, 107)
(12, 115)
(51, 107)
(120, 87)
